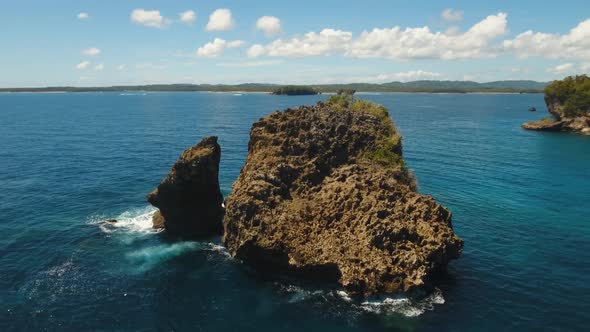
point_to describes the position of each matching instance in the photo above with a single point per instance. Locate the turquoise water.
(67, 161)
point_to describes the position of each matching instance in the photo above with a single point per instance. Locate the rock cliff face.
(189, 198)
(562, 122)
(325, 194)
(568, 101)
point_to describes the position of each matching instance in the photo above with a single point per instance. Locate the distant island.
(414, 86)
(568, 101)
(295, 90)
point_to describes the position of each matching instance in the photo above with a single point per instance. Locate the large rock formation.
(568, 101)
(324, 193)
(189, 198)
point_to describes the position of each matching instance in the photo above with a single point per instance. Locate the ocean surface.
(520, 200)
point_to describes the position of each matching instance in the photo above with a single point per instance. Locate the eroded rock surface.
(324, 193)
(189, 198)
(568, 101)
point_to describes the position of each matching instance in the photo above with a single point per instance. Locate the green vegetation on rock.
(349, 92)
(573, 93)
(387, 151)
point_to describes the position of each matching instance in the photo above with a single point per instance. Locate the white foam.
(219, 249)
(344, 295)
(149, 257)
(135, 221)
(403, 305)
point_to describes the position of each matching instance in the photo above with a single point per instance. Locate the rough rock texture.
(544, 125)
(189, 198)
(580, 124)
(313, 200)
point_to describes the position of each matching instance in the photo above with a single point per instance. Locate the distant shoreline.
(508, 87)
(270, 92)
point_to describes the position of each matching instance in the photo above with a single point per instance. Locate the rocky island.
(295, 90)
(324, 195)
(568, 101)
(189, 199)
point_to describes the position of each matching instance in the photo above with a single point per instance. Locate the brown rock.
(189, 198)
(325, 194)
(544, 125)
(561, 122)
(158, 221)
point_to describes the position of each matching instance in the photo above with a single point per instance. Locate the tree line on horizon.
(414, 86)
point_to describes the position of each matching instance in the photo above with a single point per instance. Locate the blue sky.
(115, 42)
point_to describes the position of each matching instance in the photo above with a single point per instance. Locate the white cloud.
(394, 43)
(91, 51)
(83, 16)
(269, 24)
(83, 65)
(99, 67)
(451, 15)
(422, 43)
(188, 17)
(573, 45)
(247, 64)
(148, 18)
(407, 76)
(562, 69)
(585, 67)
(220, 20)
(413, 75)
(217, 47)
(121, 67)
(326, 42)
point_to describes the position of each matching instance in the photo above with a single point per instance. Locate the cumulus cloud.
(451, 15)
(394, 43)
(91, 51)
(148, 18)
(326, 42)
(220, 20)
(573, 45)
(121, 67)
(562, 69)
(99, 67)
(83, 16)
(422, 43)
(83, 65)
(247, 64)
(269, 24)
(188, 17)
(412, 75)
(217, 47)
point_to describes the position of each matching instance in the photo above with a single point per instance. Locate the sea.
(68, 161)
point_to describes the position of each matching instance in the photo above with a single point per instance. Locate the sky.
(126, 42)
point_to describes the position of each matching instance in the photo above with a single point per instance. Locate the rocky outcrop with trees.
(568, 101)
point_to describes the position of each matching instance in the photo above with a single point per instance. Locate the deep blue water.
(520, 200)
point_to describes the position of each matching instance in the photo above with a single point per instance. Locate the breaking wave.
(134, 220)
(377, 305)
